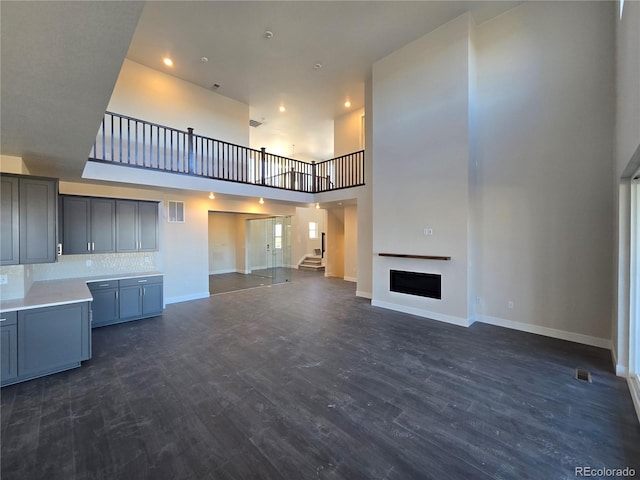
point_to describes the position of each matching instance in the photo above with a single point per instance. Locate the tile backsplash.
(70, 266)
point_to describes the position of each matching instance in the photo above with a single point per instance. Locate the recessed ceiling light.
(268, 34)
(167, 61)
(317, 66)
(282, 109)
(261, 201)
(347, 103)
(204, 59)
(317, 205)
(211, 195)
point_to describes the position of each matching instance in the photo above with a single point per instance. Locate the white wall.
(334, 256)
(347, 133)
(150, 95)
(222, 242)
(627, 161)
(545, 86)
(351, 243)
(420, 167)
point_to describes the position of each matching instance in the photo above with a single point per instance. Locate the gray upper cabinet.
(10, 238)
(126, 226)
(38, 220)
(75, 225)
(29, 219)
(88, 225)
(148, 226)
(108, 225)
(136, 226)
(103, 225)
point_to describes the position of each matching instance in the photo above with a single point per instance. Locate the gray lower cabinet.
(104, 308)
(124, 300)
(47, 340)
(28, 215)
(8, 346)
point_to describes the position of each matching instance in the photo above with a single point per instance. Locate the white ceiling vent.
(254, 123)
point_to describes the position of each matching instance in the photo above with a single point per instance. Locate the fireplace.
(414, 283)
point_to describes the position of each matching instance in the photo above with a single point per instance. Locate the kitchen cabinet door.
(8, 347)
(53, 338)
(104, 308)
(152, 299)
(126, 226)
(148, 226)
(130, 302)
(9, 229)
(38, 219)
(76, 220)
(103, 225)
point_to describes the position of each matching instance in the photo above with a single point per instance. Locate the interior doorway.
(248, 251)
(268, 243)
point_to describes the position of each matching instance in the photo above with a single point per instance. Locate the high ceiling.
(60, 61)
(346, 38)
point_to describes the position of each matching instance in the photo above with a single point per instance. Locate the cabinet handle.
(144, 291)
(142, 281)
(116, 294)
(89, 246)
(3, 319)
(104, 285)
(93, 246)
(140, 292)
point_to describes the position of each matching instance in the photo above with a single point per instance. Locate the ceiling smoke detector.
(317, 66)
(268, 34)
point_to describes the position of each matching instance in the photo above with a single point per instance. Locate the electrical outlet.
(88, 263)
(510, 305)
(147, 260)
(428, 232)
(3, 280)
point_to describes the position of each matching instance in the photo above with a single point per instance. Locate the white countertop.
(64, 291)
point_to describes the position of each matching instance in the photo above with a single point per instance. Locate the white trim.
(621, 370)
(362, 294)
(546, 331)
(441, 317)
(224, 270)
(350, 279)
(634, 388)
(186, 298)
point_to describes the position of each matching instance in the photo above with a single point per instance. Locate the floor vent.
(583, 375)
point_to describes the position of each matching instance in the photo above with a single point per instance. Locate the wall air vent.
(254, 123)
(176, 212)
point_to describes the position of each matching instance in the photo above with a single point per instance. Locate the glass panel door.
(269, 249)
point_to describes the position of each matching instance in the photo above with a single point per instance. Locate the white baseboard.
(362, 294)
(186, 298)
(350, 279)
(546, 331)
(462, 322)
(634, 388)
(621, 370)
(221, 271)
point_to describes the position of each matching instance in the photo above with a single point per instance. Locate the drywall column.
(627, 162)
(351, 243)
(334, 256)
(420, 168)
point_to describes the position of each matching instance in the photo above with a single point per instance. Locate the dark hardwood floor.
(303, 380)
(231, 282)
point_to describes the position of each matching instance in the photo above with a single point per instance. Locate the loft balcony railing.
(137, 143)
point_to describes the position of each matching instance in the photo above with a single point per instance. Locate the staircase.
(312, 262)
